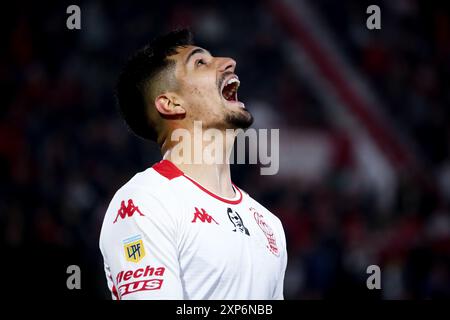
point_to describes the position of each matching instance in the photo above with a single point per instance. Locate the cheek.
(204, 100)
(206, 87)
(201, 95)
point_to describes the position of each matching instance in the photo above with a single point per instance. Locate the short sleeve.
(139, 246)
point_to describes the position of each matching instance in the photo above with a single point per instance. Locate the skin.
(198, 97)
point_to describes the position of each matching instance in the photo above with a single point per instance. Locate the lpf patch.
(268, 232)
(134, 248)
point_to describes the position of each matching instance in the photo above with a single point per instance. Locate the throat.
(211, 173)
(215, 178)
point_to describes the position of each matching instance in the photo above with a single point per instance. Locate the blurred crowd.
(64, 150)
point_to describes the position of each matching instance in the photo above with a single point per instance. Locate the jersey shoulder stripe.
(167, 169)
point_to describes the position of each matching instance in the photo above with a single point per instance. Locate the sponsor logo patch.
(134, 248)
(141, 285)
(138, 273)
(134, 280)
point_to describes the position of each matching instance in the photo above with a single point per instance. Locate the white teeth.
(232, 80)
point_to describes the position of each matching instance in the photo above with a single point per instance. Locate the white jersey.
(164, 236)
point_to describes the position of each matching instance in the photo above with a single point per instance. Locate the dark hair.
(137, 75)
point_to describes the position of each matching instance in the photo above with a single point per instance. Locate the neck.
(189, 156)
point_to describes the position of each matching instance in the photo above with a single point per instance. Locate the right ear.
(169, 105)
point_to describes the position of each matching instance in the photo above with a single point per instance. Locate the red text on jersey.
(140, 272)
(142, 285)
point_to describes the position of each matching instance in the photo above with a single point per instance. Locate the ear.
(169, 105)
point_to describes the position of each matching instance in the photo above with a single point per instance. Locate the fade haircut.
(148, 71)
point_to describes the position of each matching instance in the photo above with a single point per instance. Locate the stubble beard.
(238, 120)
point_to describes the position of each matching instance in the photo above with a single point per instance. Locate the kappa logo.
(134, 249)
(268, 232)
(203, 216)
(127, 210)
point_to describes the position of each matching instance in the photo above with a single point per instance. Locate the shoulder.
(267, 221)
(152, 184)
(146, 198)
(156, 180)
(262, 214)
(262, 209)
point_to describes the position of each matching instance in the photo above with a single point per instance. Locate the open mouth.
(229, 91)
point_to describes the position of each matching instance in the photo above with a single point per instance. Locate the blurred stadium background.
(364, 131)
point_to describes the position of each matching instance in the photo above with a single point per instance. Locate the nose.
(227, 65)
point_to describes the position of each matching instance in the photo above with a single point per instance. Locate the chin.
(239, 120)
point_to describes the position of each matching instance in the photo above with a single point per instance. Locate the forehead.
(184, 52)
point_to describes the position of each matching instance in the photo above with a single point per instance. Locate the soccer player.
(179, 229)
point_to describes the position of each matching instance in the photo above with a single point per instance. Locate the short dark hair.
(141, 69)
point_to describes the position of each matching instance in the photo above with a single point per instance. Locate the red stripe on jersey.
(167, 169)
(215, 195)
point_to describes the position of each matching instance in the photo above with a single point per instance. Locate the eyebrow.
(195, 51)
